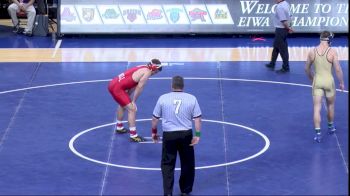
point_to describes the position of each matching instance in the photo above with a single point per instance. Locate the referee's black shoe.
(282, 70)
(270, 66)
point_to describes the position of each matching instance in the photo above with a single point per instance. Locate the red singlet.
(119, 86)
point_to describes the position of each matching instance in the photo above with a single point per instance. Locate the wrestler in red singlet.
(120, 85)
(125, 91)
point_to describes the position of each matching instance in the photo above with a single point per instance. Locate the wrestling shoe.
(137, 139)
(121, 131)
(331, 130)
(318, 137)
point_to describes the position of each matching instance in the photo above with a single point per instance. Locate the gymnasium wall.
(194, 16)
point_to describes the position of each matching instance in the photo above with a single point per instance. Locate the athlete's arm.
(308, 64)
(155, 136)
(143, 80)
(337, 69)
(197, 126)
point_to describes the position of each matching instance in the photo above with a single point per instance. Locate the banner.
(191, 16)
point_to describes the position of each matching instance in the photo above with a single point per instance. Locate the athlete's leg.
(317, 117)
(132, 123)
(330, 108)
(317, 111)
(120, 115)
(330, 114)
(131, 114)
(122, 98)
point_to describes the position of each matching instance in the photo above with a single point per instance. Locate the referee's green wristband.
(198, 133)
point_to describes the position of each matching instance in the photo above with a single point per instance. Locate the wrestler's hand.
(155, 138)
(134, 107)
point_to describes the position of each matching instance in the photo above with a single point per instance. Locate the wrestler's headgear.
(154, 65)
(327, 36)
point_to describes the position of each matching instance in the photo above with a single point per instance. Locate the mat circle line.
(74, 138)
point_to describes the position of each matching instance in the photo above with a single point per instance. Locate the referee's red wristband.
(154, 130)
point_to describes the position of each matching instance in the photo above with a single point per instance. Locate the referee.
(177, 109)
(282, 21)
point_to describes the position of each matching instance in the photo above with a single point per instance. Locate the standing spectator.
(177, 109)
(131, 83)
(22, 6)
(324, 58)
(282, 21)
